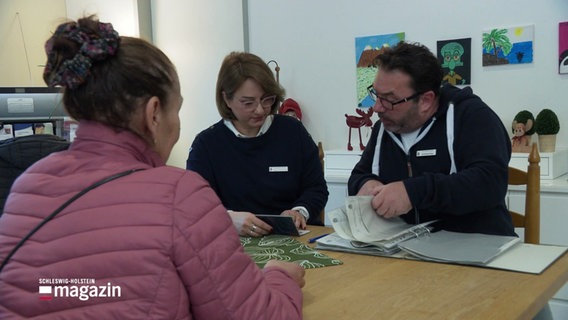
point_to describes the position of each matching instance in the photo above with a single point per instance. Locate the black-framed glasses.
(387, 104)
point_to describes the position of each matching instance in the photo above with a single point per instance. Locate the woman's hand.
(294, 270)
(299, 219)
(248, 225)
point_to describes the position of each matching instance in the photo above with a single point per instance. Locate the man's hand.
(369, 188)
(391, 200)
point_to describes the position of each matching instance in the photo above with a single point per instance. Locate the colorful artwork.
(455, 59)
(563, 47)
(508, 46)
(356, 122)
(366, 49)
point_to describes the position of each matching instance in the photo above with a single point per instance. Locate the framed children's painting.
(508, 46)
(563, 47)
(455, 59)
(366, 49)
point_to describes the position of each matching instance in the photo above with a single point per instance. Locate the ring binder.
(358, 229)
(358, 222)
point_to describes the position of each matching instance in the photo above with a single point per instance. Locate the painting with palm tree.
(508, 46)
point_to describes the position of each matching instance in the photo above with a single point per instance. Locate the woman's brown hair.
(114, 86)
(237, 67)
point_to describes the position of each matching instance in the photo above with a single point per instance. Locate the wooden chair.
(530, 221)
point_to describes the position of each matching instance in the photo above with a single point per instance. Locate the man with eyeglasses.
(438, 153)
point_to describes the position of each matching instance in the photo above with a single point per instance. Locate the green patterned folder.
(285, 248)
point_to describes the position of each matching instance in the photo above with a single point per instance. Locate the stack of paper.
(358, 223)
(334, 242)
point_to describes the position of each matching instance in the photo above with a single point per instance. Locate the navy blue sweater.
(263, 175)
(470, 200)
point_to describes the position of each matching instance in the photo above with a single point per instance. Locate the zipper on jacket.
(409, 166)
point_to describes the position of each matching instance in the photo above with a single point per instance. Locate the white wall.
(25, 25)
(313, 42)
(197, 35)
(123, 14)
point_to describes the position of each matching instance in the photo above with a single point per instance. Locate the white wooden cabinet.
(553, 202)
(337, 168)
(552, 164)
(553, 225)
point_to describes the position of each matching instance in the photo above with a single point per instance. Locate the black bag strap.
(63, 206)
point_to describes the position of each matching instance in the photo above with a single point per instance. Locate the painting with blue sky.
(508, 46)
(366, 49)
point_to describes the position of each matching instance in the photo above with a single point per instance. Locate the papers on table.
(334, 242)
(359, 223)
(519, 257)
(359, 230)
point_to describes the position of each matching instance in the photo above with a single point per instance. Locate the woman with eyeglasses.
(257, 161)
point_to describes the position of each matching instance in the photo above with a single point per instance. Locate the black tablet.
(280, 224)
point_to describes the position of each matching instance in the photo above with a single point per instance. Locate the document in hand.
(358, 223)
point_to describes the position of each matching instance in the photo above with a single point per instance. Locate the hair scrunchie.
(71, 73)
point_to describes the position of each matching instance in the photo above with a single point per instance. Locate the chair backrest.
(530, 221)
(17, 154)
(321, 156)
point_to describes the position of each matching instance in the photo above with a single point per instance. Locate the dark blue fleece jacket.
(268, 174)
(470, 200)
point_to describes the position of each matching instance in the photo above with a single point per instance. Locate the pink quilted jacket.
(156, 244)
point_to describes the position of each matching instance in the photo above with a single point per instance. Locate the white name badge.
(278, 169)
(426, 153)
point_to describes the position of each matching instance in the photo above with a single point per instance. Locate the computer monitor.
(27, 110)
(31, 103)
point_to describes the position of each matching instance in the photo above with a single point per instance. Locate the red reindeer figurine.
(358, 122)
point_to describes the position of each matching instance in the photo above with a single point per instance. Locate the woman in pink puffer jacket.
(153, 244)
